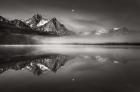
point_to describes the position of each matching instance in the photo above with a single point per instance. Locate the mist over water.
(84, 68)
(91, 39)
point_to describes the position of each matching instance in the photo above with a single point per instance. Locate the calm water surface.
(69, 68)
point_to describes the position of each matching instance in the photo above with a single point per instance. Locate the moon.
(73, 10)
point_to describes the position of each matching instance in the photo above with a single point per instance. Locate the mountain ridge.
(106, 32)
(37, 24)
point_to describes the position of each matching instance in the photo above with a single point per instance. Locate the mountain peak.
(116, 31)
(123, 29)
(18, 23)
(2, 19)
(54, 19)
(38, 24)
(37, 17)
(32, 22)
(54, 27)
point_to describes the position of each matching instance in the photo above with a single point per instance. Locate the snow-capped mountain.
(119, 30)
(113, 31)
(36, 21)
(20, 24)
(36, 25)
(13, 23)
(42, 22)
(54, 27)
(51, 26)
(100, 32)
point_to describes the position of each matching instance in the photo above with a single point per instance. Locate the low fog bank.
(132, 38)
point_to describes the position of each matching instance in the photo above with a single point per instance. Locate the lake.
(69, 68)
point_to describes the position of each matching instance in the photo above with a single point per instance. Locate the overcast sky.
(79, 15)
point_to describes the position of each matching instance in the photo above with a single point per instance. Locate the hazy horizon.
(83, 17)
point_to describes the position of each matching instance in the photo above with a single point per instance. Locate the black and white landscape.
(69, 46)
(21, 31)
(37, 30)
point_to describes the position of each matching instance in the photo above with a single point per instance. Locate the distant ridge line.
(134, 44)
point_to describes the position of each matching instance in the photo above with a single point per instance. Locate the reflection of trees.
(35, 64)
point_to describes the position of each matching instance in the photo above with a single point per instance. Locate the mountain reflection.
(35, 64)
(52, 62)
(103, 59)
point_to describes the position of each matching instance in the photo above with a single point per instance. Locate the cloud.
(84, 23)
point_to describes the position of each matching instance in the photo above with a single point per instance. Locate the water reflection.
(51, 62)
(79, 68)
(36, 64)
(102, 59)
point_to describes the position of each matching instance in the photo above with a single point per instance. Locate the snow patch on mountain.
(42, 22)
